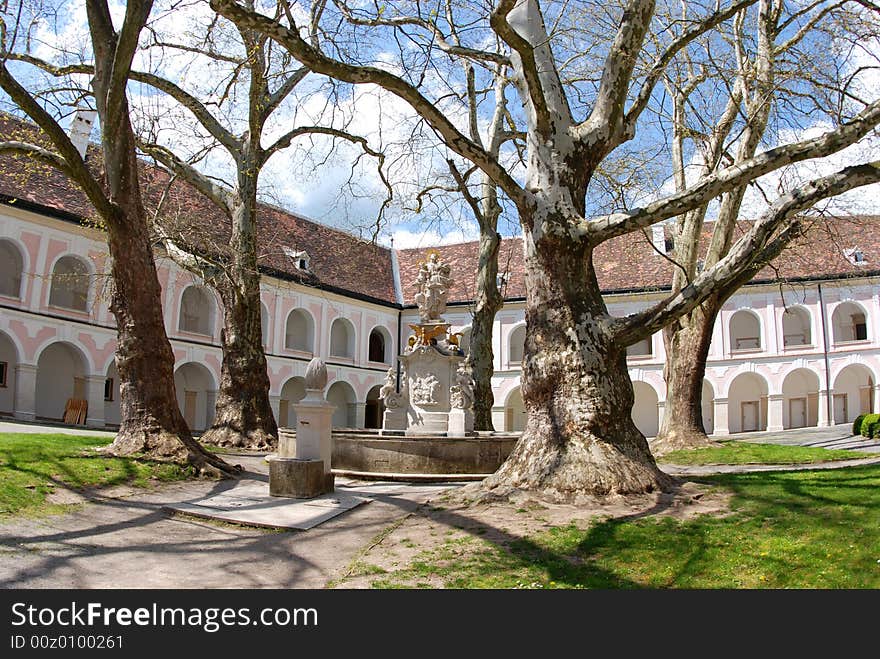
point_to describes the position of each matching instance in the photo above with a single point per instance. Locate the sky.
(330, 187)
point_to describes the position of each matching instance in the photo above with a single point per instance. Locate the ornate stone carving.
(388, 393)
(423, 389)
(462, 392)
(316, 374)
(433, 281)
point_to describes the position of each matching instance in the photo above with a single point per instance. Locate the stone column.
(95, 397)
(275, 404)
(210, 404)
(661, 410)
(721, 422)
(876, 409)
(824, 419)
(774, 412)
(360, 415)
(25, 401)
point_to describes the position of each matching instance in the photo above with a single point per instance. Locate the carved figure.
(462, 392)
(433, 281)
(423, 390)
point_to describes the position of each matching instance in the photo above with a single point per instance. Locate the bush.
(857, 424)
(871, 426)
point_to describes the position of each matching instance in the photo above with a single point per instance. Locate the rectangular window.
(861, 331)
(4, 367)
(108, 389)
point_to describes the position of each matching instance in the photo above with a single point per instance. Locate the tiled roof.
(342, 262)
(337, 260)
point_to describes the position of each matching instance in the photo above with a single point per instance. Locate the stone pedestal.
(394, 420)
(302, 467)
(461, 423)
(298, 479)
(429, 376)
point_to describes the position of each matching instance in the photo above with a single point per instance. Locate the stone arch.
(375, 408)
(71, 283)
(797, 327)
(514, 411)
(342, 339)
(299, 331)
(379, 345)
(747, 402)
(9, 357)
(196, 392)
(341, 394)
(62, 368)
(745, 331)
(800, 398)
(645, 411)
(196, 311)
(12, 268)
(516, 344)
(293, 391)
(853, 392)
(849, 322)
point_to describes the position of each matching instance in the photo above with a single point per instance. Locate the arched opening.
(293, 391)
(299, 332)
(343, 397)
(800, 404)
(853, 393)
(8, 362)
(61, 377)
(196, 312)
(379, 349)
(11, 267)
(195, 395)
(849, 322)
(264, 326)
(374, 409)
(516, 346)
(747, 403)
(745, 332)
(708, 404)
(514, 412)
(70, 284)
(796, 327)
(645, 412)
(111, 396)
(342, 339)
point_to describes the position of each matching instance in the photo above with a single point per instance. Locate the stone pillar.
(774, 412)
(824, 418)
(210, 404)
(302, 467)
(95, 396)
(661, 410)
(721, 422)
(876, 409)
(25, 401)
(360, 415)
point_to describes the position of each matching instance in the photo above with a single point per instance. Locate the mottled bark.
(487, 302)
(151, 422)
(243, 416)
(579, 437)
(687, 349)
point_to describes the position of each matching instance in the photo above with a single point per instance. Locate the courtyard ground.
(123, 537)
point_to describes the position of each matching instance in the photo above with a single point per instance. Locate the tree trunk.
(487, 303)
(243, 416)
(687, 349)
(151, 423)
(579, 437)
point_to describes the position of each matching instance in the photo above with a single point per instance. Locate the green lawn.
(33, 465)
(810, 529)
(738, 452)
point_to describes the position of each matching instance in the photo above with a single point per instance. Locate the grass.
(809, 529)
(34, 465)
(738, 452)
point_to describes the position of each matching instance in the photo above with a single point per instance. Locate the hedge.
(857, 424)
(871, 426)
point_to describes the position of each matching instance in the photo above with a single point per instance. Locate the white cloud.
(406, 238)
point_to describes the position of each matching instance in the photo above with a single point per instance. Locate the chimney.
(81, 129)
(658, 237)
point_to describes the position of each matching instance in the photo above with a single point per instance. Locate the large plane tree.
(579, 437)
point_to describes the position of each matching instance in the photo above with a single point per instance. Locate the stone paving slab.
(251, 504)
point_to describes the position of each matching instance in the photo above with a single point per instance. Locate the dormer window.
(854, 256)
(300, 258)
